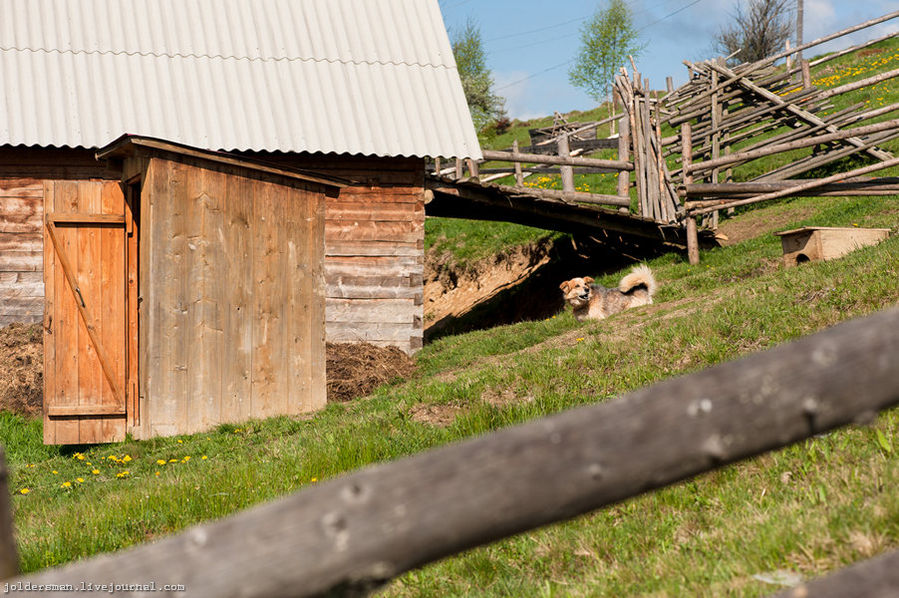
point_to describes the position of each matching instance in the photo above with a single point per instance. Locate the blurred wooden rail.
(350, 535)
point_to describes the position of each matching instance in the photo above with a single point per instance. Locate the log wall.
(21, 250)
(374, 248)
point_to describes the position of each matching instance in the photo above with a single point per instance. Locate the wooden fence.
(723, 118)
(350, 535)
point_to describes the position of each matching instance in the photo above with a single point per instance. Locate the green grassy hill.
(807, 509)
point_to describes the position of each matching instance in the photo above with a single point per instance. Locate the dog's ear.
(588, 280)
(565, 286)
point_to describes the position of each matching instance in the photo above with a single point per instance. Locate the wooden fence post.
(519, 177)
(472, 167)
(789, 56)
(437, 166)
(806, 74)
(9, 558)
(624, 140)
(567, 171)
(458, 169)
(686, 161)
(669, 84)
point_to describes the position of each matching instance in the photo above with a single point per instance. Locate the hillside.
(802, 511)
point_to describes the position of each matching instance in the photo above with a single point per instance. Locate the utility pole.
(799, 18)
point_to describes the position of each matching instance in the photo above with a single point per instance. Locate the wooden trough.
(189, 294)
(816, 243)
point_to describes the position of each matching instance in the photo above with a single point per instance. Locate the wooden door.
(85, 320)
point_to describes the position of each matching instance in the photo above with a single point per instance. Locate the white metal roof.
(373, 77)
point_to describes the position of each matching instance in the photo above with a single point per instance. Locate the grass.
(807, 509)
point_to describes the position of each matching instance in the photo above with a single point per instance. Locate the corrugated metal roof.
(374, 77)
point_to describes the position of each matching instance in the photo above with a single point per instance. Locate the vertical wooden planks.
(51, 327)
(266, 333)
(111, 308)
(88, 272)
(207, 276)
(238, 323)
(68, 325)
(132, 234)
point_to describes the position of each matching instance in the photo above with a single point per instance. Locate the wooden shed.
(364, 91)
(188, 293)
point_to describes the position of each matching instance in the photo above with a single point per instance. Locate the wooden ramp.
(476, 201)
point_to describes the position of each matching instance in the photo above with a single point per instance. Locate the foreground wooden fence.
(352, 534)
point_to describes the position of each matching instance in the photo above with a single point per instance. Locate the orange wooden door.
(85, 320)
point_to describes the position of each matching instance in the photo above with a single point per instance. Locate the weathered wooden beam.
(354, 533)
(567, 196)
(887, 125)
(9, 556)
(800, 189)
(873, 578)
(543, 159)
(724, 192)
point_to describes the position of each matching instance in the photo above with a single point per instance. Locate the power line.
(567, 62)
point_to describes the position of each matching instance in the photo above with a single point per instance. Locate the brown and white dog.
(595, 302)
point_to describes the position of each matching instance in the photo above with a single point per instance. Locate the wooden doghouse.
(187, 295)
(814, 243)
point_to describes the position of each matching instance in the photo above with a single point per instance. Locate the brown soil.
(356, 369)
(21, 369)
(450, 293)
(353, 370)
(435, 415)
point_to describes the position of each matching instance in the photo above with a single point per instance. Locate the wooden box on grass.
(814, 243)
(188, 295)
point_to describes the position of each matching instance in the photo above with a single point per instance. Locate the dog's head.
(577, 291)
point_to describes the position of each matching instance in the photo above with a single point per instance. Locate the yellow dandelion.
(79, 480)
(186, 458)
(313, 480)
(160, 462)
(89, 463)
(95, 471)
(204, 457)
(122, 474)
(581, 339)
(24, 491)
(55, 472)
(180, 441)
(157, 473)
(66, 485)
(126, 458)
(173, 460)
(78, 456)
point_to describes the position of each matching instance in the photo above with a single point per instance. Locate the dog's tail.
(640, 276)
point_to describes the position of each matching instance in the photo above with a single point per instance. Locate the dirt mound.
(21, 369)
(355, 369)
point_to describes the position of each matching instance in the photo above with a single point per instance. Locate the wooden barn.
(357, 91)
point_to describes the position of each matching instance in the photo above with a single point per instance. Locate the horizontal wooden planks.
(21, 250)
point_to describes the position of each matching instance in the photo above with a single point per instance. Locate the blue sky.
(527, 41)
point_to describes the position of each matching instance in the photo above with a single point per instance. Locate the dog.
(595, 302)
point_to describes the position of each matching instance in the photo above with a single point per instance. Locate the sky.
(531, 44)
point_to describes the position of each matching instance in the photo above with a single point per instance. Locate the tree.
(759, 28)
(477, 82)
(606, 41)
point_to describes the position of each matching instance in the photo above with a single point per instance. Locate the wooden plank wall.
(22, 172)
(374, 248)
(21, 250)
(233, 311)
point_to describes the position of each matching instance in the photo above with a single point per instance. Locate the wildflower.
(55, 472)
(24, 491)
(313, 480)
(173, 460)
(95, 471)
(160, 462)
(186, 459)
(122, 474)
(66, 485)
(157, 473)
(579, 339)
(79, 480)
(180, 441)
(78, 456)
(204, 457)
(127, 458)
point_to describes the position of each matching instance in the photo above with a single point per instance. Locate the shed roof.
(372, 77)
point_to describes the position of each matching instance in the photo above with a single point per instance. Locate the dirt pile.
(21, 369)
(355, 369)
